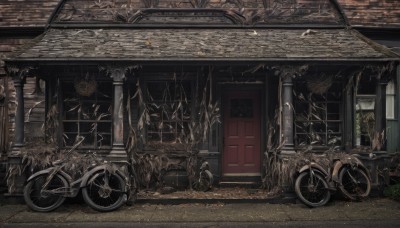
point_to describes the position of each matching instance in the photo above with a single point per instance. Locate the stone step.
(246, 184)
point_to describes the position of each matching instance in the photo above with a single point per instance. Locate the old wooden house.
(380, 21)
(20, 22)
(223, 81)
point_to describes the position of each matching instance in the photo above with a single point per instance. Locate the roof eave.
(196, 61)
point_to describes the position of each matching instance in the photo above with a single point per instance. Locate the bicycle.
(205, 179)
(103, 187)
(315, 184)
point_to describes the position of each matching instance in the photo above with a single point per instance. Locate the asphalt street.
(375, 212)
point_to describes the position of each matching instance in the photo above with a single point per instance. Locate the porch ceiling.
(201, 45)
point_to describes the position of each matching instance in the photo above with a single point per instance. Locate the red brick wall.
(372, 12)
(17, 13)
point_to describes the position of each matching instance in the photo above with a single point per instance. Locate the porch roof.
(201, 45)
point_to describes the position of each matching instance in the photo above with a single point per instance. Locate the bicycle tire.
(104, 197)
(313, 196)
(42, 202)
(349, 188)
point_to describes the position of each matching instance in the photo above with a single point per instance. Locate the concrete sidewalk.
(376, 209)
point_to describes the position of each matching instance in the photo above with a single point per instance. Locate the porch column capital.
(117, 74)
(118, 71)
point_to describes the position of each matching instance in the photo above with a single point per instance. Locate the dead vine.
(174, 106)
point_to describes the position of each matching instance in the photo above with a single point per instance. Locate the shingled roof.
(26, 13)
(199, 45)
(373, 13)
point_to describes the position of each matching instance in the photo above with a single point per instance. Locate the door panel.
(241, 133)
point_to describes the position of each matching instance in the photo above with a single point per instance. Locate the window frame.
(191, 108)
(326, 121)
(93, 102)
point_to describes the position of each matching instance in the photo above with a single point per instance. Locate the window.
(365, 119)
(365, 111)
(390, 100)
(318, 119)
(169, 105)
(87, 115)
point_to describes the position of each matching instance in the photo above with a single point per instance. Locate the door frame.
(263, 93)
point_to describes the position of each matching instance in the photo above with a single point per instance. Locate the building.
(20, 22)
(220, 81)
(380, 21)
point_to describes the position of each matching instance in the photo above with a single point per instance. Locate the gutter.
(187, 26)
(193, 61)
(22, 31)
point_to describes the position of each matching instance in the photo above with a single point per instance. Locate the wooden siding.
(9, 45)
(249, 12)
(392, 130)
(374, 13)
(26, 13)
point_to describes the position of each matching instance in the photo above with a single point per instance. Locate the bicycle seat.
(57, 162)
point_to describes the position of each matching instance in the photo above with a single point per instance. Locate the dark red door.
(241, 153)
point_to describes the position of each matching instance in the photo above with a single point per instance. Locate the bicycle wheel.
(105, 191)
(355, 183)
(312, 190)
(45, 199)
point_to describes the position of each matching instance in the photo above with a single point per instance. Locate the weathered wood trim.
(349, 111)
(380, 110)
(189, 61)
(189, 26)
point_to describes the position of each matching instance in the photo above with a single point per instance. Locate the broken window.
(169, 104)
(318, 116)
(87, 113)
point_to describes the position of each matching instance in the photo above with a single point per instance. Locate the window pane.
(390, 100)
(241, 108)
(169, 105)
(88, 116)
(318, 116)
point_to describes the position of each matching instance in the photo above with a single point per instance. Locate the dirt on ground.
(214, 193)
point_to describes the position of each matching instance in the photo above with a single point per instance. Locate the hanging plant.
(85, 86)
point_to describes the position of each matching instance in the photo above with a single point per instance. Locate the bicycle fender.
(49, 170)
(339, 164)
(87, 175)
(336, 168)
(316, 166)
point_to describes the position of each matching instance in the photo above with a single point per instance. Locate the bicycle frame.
(73, 185)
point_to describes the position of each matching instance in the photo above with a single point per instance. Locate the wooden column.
(19, 114)
(380, 111)
(14, 156)
(348, 118)
(287, 116)
(118, 152)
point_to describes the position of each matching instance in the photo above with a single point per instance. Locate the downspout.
(339, 8)
(54, 14)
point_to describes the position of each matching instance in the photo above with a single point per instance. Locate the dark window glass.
(241, 108)
(168, 103)
(88, 116)
(318, 119)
